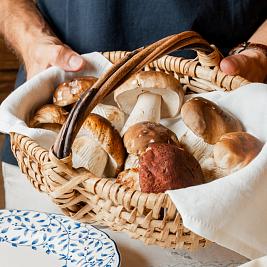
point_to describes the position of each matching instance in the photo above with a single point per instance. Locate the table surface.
(135, 253)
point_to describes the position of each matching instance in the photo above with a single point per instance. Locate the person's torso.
(102, 25)
(108, 25)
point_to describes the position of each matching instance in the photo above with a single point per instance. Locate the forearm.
(260, 36)
(22, 25)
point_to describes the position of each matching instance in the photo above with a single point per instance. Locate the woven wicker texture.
(152, 218)
(199, 75)
(149, 217)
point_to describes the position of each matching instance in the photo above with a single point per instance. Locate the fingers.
(249, 64)
(235, 65)
(47, 54)
(65, 58)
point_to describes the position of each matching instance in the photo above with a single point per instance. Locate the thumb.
(235, 65)
(66, 58)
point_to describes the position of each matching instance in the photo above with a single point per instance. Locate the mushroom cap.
(69, 92)
(112, 114)
(54, 127)
(49, 114)
(207, 120)
(155, 82)
(235, 150)
(165, 167)
(101, 130)
(140, 135)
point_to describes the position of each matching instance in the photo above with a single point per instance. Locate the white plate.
(31, 239)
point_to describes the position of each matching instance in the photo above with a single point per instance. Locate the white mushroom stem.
(132, 161)
(87, 153)
(203, 152)
(147, 108)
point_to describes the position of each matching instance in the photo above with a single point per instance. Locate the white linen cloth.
(230, 211)
(17, 108)
(260, 262)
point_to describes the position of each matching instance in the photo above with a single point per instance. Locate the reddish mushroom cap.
(165, 166)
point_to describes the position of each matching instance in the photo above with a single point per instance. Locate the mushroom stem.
(147, 108)
(203, 153)
(88, 153)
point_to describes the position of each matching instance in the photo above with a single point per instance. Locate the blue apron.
(108, 25)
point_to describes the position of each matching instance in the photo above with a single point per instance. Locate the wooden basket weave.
(152, 218)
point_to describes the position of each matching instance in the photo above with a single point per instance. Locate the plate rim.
(69, 218)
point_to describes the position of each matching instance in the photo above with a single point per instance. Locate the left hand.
(250, 64)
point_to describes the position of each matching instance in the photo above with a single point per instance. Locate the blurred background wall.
(8, 70)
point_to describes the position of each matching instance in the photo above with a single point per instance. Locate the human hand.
(51, 52)
(250, 64)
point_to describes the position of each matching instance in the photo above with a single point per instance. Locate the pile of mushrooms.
(144, 154)
(98, 146)
(149, 96)
(216, 138)
(161, 164)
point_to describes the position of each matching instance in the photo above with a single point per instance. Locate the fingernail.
(75, 62)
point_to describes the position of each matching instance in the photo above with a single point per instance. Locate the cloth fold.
(229, 211)
(18, 107)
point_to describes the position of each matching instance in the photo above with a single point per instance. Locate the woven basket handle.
(119, 72)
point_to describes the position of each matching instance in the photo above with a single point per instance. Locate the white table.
(134, 253)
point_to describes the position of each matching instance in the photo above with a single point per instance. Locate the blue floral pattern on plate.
(74, 243)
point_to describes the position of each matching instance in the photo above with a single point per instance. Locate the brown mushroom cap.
(164, 167)
(207, 120)
(54, 127)
(235, 150)
(48, 114)
(111, 113)
(156, 82)
(69, 92)
(109, 139)
(139, 136)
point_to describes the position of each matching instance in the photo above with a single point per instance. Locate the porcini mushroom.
(207, 120)
(49, 117)
(162, 167)
(87, 153)
(206, 123)
(149, 96)
(112, 114)
(165, 167)
(140, 135)
(235, 150)
(107, 138)
(68, 93)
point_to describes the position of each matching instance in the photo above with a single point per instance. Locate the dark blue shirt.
(108, 25)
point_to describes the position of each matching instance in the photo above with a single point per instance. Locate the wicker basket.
(152, 218)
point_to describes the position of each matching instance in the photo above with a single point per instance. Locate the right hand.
(51, 52)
